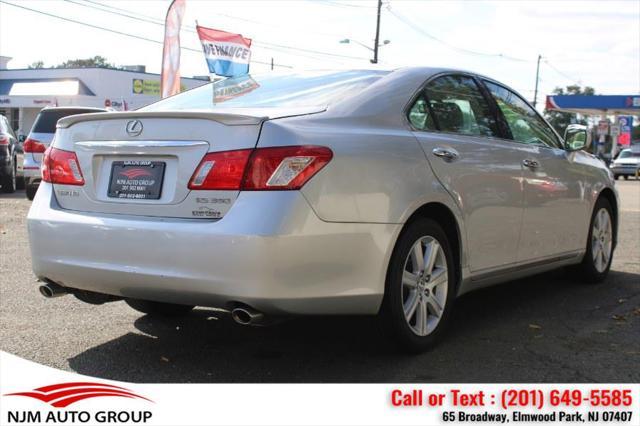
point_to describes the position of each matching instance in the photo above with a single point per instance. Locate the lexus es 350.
(347, 192)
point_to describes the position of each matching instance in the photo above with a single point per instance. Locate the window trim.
(421, 92)
(560, 141)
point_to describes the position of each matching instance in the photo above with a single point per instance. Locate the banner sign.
(148, 87)
(227, 54)
(625, 123)
(171, 51)
(227, 89)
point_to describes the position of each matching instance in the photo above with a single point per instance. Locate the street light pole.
(377, 43)
(535, 92)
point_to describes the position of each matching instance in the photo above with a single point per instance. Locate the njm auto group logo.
(61, 396)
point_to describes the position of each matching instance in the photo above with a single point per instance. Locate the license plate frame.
(130, 179)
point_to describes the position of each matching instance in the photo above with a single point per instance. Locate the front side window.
(525, 124)
(458, 106)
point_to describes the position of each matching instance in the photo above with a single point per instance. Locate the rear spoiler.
(224, 118)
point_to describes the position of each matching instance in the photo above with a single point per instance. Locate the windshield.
(272, 90)
(629, 154)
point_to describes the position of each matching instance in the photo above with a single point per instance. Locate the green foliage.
(96, 61)
(36, 65)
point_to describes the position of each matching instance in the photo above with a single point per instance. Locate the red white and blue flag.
(227, 54)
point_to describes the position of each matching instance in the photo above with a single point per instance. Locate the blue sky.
(594, 43)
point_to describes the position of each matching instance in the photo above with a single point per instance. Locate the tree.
(96, 61)
(36, 65)
(560, 120)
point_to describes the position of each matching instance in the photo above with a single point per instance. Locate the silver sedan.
(346, 192)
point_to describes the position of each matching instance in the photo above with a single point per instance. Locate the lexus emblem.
(134, 127)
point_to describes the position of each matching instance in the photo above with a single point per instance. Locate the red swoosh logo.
(135, 173)
(64, 394)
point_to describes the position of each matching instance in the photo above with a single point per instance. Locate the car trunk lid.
(130, 145)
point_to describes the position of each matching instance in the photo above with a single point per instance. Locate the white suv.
(39, 139)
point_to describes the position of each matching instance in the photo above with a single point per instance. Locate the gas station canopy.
(595, 104)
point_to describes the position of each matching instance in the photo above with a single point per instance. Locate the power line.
(568, 77)
(266, 45)
(449, 45)
(118, 32)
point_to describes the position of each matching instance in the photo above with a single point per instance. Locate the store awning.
(595, 104)
(44, 87)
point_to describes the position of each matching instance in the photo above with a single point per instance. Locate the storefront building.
(24, 92)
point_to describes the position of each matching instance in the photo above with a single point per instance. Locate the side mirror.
(576, 137)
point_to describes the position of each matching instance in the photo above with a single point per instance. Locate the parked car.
(347, 192)
(11, 175)
(41, 135)
(626, 164)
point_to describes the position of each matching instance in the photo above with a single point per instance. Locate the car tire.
(31, 191)
(9, 182)
(616, 177)
(415, 310)
(600, 243)
(626, 177)
(159, 308)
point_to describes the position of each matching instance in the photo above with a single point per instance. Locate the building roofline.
(92, 68)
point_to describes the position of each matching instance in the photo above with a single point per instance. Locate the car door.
(555, 208)
(456, 126)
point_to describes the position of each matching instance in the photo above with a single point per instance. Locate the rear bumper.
(270, 251)
(31, 168)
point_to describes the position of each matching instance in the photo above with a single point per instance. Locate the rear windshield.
(272, 90)
(47, 119)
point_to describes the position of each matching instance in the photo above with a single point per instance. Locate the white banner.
(34, 394)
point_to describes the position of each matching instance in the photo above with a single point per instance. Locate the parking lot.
(544, 328)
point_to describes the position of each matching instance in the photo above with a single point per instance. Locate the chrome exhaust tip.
(247, 316)
(51, 289)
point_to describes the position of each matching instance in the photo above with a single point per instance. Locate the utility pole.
(271, 64)
(535, 92)
(375, 47)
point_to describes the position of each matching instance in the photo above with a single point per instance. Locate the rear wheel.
(8, 182)
(626, 177)
(599, 254)
(616, 177)
(158, 308)
(420, 288)
(31, 191)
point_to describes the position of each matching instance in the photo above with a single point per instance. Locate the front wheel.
(599, 254)
(158, 308)
(420, 287)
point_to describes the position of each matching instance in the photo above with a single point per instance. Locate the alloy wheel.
(425, 283)
(601, 240)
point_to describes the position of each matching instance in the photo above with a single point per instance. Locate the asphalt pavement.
(546, 328)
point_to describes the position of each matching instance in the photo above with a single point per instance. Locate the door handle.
(532, 164)
(446, 154)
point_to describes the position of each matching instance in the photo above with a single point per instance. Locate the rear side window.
(525, 124)
(47, 119)
(457, 105)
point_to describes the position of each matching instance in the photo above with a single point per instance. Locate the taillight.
(32, 145)
(277, 168)
(4, 140)
(61, 167)
(221, 170)
(284, 167)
